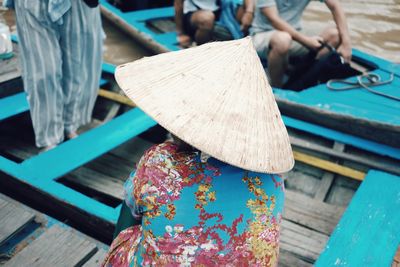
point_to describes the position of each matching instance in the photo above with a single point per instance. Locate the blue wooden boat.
(358, 111)
(39, 179)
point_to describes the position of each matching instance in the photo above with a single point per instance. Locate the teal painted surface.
(368, 233)
(356, 103)
(13, 105)
(41, 171)
(355, 141)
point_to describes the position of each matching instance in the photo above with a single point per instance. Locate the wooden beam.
(328, 166)
(328, 177)
(300, 143)
(116, 97)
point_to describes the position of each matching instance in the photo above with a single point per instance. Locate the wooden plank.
(58, 246)
(368, 233)
(329, 166)
(376, 164)
(301, 241)
(301, 179)
(116, 97)
(311, 213)
(340, 195)
(12, 219)
(97, 259)
(112, 165)
(327, 178)
(342, 137)
(288, 259)
(163, 25)
(97, 181)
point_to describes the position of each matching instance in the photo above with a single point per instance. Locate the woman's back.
(199, 213)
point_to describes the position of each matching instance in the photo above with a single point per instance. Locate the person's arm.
(278, 23)
(248, 15)
(341, 23)
(183, 38)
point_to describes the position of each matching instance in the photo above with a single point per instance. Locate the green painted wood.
(368, 233)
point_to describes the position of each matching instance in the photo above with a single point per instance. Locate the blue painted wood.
(41, 171)
(368, 233)
(13, 105)
(380, 62)
(348, 139)
(357, 103)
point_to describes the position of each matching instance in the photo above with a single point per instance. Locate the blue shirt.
(56, 8)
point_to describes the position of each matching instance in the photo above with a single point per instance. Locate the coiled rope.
(365, 81)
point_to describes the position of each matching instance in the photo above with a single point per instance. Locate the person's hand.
(313, 42)
(184, 40)
(246, 21)
(345, 51)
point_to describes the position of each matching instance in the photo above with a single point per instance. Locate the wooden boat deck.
(315, 199)
(30, 238)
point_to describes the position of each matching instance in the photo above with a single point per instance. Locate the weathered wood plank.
(301, 241)
(311, 213)
(12, 219)
(163, 25)
(327, 178)
(97, 259)
(288, 259)
(132, 150)
(58, 246)
(386, 165)
(97, 181)
(302, 182)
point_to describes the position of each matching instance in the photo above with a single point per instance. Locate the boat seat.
(368, 232)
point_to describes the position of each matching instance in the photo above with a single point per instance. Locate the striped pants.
(61, 66)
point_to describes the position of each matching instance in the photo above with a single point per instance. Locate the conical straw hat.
(215, 97)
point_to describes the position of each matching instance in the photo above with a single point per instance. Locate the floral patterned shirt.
(197, 213)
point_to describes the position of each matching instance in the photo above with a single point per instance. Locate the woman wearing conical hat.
(222, 211)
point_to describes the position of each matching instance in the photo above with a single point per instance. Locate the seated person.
(277, 34)
(195, 19)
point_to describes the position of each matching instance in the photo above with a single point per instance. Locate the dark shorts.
(187, 24)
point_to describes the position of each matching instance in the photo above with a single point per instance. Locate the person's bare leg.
(330, 36)
(278, 57)
(203, 20)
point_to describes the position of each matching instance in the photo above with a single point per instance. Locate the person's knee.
(331, 36)
(204, 20)
(280, 42)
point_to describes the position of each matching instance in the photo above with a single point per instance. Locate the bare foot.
(47, 148)
(72, 135)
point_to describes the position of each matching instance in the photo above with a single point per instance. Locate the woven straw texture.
(215, 97)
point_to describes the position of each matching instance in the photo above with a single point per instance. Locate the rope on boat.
(365, 80)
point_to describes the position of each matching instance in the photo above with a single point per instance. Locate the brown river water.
(374, 28)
